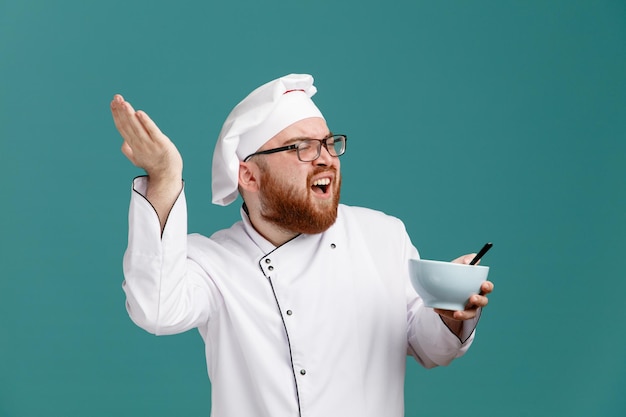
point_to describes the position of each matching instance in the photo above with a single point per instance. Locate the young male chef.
(305, 305)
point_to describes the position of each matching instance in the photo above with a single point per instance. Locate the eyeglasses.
(309, 149)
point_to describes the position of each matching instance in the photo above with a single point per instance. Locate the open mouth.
(321, 185)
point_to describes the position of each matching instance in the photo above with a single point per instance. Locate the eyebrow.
(301, 138)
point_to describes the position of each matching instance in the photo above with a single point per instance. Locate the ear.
(249, 176)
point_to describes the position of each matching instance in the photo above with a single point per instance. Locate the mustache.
(321, 170)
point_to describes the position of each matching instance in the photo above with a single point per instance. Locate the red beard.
(290, 208)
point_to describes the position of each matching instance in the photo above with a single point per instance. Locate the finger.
(149, 126)
(135, 126)
(457, 315)
(465, 314)
(486, 287)
(476, 301)
(122, 102)
(127, 123)
(117, 104)
(128, 152)
(123, 114)
(115, 110)
(465, 259)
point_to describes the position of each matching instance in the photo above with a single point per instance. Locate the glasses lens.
(308, 150)
(336, 145)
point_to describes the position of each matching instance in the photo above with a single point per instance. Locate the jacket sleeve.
(430, 341)
(166, 292)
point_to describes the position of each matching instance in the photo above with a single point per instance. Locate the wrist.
(164, 177)
(455, 326)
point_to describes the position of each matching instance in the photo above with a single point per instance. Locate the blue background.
(478, 121)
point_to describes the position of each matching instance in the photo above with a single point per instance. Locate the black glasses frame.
(296, 146)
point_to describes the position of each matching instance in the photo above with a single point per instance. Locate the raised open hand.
(144, 143)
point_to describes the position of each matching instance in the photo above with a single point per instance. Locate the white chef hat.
(255, 120)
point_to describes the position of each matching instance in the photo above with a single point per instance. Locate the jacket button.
(333, 246)
(271, 268)
(302, 372)
(267, 260)
(289, 312)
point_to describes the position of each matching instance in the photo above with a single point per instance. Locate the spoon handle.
(481, 253)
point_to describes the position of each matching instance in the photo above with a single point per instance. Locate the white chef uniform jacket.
(320, 326)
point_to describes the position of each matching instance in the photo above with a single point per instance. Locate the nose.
(325, 159)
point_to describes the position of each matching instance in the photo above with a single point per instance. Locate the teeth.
(323, 181)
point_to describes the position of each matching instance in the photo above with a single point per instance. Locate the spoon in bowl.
(482, 252)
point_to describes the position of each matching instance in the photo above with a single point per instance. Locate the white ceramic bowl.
(446, 285)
